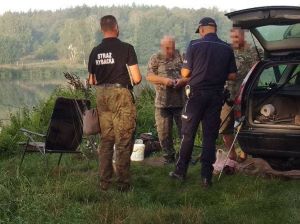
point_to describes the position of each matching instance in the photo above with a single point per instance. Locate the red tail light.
(239, 97)
(238, 102)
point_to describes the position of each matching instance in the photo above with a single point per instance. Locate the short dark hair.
(108, 23)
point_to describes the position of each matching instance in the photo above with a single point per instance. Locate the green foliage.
(35, 120)
(26, 86)
(47, 52)
(10, 50)
(71, 34)
(145, 111)
(38, 118)
(16, 30)
(77, 39)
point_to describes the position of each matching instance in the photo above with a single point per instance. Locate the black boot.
(177, 176)
(206, 182)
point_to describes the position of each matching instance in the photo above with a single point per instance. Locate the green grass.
(42, 193)
(37, 194)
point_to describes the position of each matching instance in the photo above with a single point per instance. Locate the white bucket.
(138, 152)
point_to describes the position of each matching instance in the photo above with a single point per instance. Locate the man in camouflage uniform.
(164, 72)
(109, 65)
(245, 56)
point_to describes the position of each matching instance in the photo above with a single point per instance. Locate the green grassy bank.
(42, 193)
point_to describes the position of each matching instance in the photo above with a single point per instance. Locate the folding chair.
(64, 133)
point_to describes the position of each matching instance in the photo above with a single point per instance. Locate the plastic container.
(138, 152)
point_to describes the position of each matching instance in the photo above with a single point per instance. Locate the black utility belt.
(115, 85)
(205, 88)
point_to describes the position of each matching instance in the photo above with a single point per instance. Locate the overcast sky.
(25, 5)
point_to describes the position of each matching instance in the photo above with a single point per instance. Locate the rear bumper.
(270, 144)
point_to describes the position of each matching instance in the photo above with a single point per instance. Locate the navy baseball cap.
(206, 21)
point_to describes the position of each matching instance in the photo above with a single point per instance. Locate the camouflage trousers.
(117, 118)
(164, 123)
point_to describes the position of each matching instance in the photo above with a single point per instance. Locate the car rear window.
(287, 75)
(271, 76)
(275, 32)
(295, 78)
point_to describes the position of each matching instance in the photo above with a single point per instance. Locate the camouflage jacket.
(159, 65)
(245, 59)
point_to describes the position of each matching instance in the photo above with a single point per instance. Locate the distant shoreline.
(43, 64)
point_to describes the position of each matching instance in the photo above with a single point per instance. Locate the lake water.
(27, 86)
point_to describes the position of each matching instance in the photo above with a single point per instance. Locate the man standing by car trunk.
(245, 56)
(209, 63)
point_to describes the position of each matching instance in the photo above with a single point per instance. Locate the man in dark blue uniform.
(209, 63)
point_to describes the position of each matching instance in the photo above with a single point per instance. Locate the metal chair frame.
(33, 146)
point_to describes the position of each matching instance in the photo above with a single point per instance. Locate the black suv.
(269, 97)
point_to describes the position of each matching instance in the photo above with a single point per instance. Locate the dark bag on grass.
(151, 144)
(91, 125)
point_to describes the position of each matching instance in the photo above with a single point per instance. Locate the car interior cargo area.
(277, 110)
(275, 96)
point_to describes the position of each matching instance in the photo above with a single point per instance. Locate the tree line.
(70, 34)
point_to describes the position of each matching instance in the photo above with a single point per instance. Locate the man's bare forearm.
(159, 80)
(135, 74)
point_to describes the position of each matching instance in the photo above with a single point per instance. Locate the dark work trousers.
(164, 122)
(204, 106)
